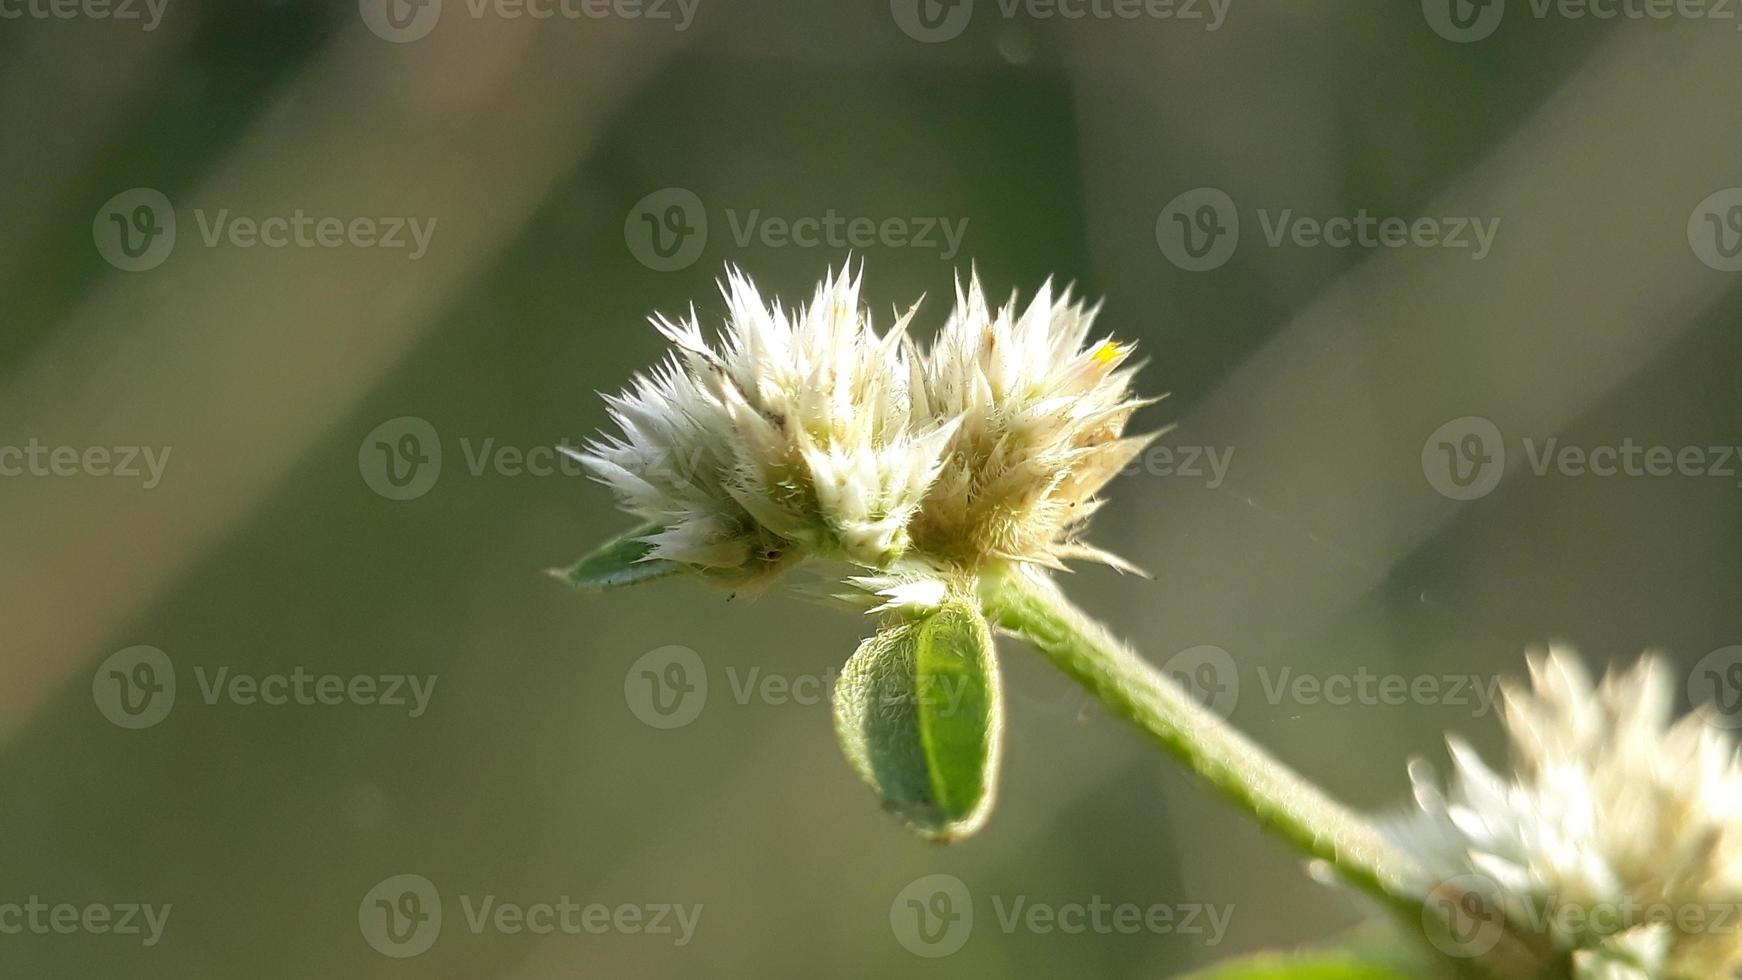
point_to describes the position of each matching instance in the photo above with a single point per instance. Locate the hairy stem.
(1034, 609)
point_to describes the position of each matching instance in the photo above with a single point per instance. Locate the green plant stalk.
(1237, 767)
(1035, 610)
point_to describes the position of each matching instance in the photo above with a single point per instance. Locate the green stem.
(1034, 609)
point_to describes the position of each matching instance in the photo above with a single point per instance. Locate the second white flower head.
(1611, 809)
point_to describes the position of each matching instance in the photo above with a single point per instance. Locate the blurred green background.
(534, 145)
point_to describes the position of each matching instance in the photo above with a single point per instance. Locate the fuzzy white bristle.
(807, 432)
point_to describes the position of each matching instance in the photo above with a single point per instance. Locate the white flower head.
(1042, 413)
(796, 435)
(1612, 809)
(808, 433)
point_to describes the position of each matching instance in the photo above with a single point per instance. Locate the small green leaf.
(621, 561)
(920, 717)
(1374, 950)
(1307, 966)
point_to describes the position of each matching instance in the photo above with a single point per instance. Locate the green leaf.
(1306, 966)
(1373, 950)
(920, 717)
(621, 561)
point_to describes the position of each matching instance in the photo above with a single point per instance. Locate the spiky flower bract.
(1041, 411)
(1614, 811)
(796, 436)
(808, 433)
